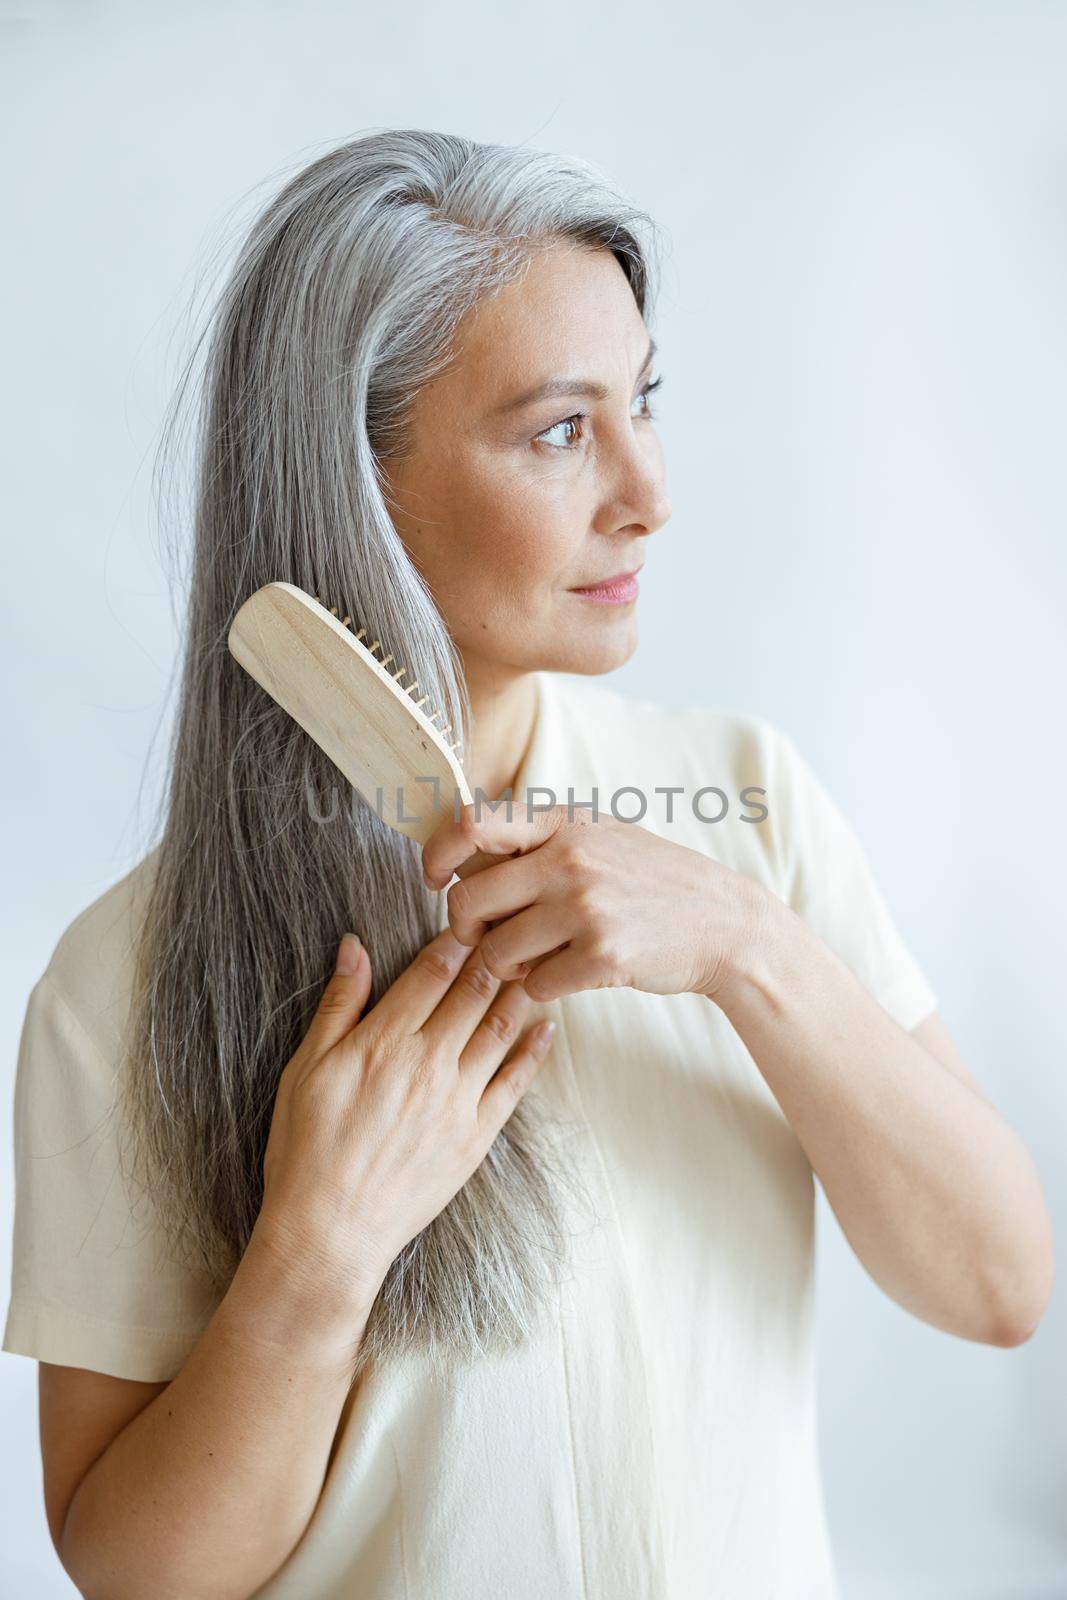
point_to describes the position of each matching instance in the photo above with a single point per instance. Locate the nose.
(637, 500)
(661, 511)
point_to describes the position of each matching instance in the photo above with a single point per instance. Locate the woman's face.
(510, 504)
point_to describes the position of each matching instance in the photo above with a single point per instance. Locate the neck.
(503, 706)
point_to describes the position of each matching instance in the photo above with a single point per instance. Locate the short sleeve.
(92, 1284)
(825, 877)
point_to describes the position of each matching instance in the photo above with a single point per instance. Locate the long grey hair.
(342, 305)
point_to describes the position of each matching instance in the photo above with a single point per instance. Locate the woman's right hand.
(378, 1123)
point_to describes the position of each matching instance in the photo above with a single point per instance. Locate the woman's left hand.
(584, 903)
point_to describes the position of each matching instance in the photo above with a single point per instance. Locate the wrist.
(289, 1298)
(753, 953)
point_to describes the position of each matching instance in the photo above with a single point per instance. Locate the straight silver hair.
(343, 303)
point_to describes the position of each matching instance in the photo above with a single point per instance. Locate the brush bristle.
(347, 622)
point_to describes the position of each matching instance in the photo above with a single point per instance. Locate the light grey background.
(862, 327)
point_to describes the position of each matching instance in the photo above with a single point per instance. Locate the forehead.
(572, 311)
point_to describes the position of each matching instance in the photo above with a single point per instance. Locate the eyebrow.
(554, 388)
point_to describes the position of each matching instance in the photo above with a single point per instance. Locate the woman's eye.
(646, 393)
(575, 421)
(567, 422)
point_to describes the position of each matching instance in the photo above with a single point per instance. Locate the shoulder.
(90, 970)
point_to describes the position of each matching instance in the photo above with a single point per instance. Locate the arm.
(936, 1194)
(208, 1489)
(377, 1124)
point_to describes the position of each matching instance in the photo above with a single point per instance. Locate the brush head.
(354, 709)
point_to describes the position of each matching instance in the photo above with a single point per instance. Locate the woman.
(358, 1290)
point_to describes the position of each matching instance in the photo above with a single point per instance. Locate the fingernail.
(348, 954)
(545, 1030)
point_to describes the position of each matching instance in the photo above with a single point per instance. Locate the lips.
(606, 583)
(619, 590)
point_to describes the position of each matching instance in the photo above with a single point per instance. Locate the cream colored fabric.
(658, 1440)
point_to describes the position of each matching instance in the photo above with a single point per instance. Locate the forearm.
(937, 1195)
(208, 1489)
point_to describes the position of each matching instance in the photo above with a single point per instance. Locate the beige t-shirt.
(658, 1440)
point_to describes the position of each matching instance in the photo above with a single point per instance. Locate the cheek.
(519, 534)
(523, 569)
(510, 579)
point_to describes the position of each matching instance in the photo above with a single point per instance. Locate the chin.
(592, 651)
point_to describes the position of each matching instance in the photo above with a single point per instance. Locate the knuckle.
(501, 1024)
(458, 900)
(478, 979)
(491, 957)
(333, 1000)
(608, 954)
(535, 988)
(435, 963)
(577, 858)
(585, 897)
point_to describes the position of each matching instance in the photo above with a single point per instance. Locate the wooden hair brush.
(373, 729)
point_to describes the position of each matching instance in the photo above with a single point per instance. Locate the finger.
(344, 996)
(568, 971)
(512, 946)
(477, 863)
(412, 997)
(459, 1012)
(507, 1086)
(494, 1035)
(509, 831)
(498, 890)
